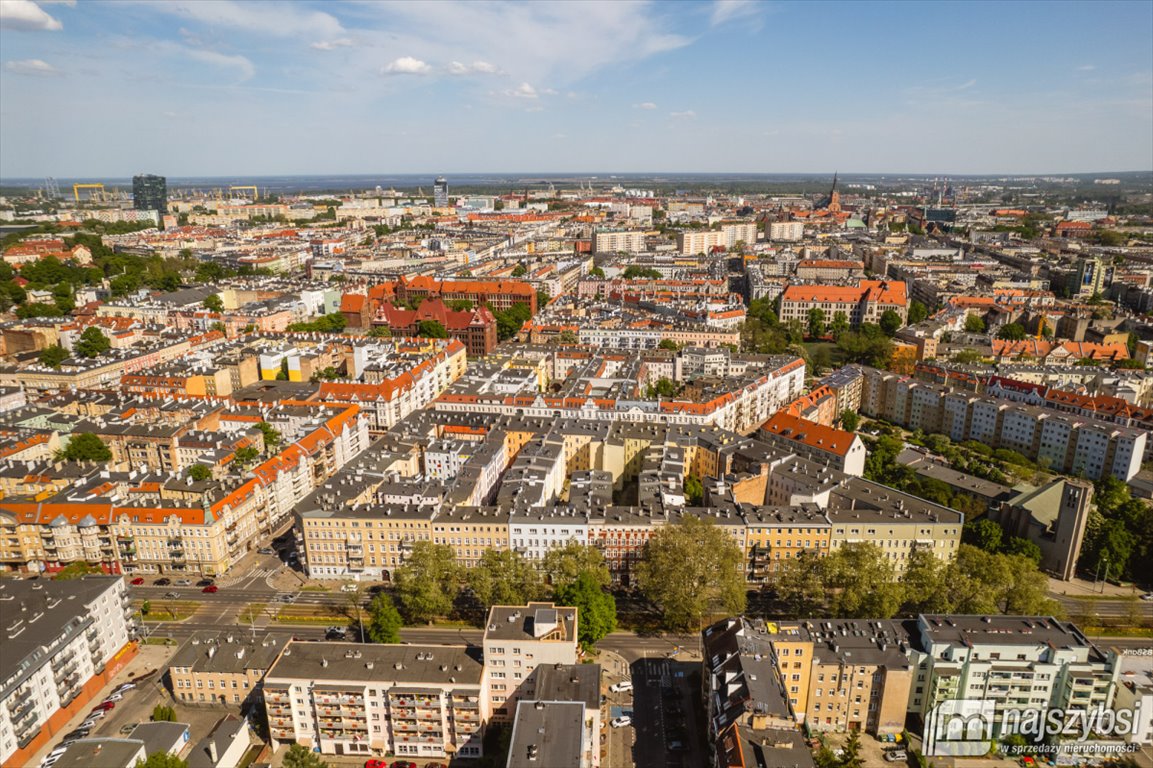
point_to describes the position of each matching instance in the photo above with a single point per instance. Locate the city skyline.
(204, 89)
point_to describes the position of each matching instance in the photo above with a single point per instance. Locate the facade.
(365, 700)
(222, 668)
(864, 302)
(150, 193)
(62, 642)
(616, 241)
(517, 641)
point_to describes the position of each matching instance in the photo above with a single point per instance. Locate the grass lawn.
(251, 612)
(176, 611)
(315, 588)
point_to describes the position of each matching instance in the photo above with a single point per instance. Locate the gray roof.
(101, 753)
(362, 665)
(223, 734)
(37, 612)
(547, 733)
(567, 682)
(161, 736)
(230, 651)
(513, 622)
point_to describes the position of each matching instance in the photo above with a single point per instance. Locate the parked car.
(402, 764)
(271, 551)
(162, 582)
(1147, 596)
(375, 764)
(204, 582)
(621, 722)
(350, 588)
(113, 697)
(623, 685)
(896, 755)
(335, 633)
(184, 582)
(137, 581)
(107, 705)
(211, 589)
(127, 729)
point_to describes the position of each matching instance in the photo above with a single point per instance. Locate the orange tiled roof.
(810, 433)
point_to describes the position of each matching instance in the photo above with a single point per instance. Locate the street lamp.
(1106, 581)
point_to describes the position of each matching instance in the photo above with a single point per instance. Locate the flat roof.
(547, 733)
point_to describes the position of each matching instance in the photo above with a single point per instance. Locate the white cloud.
(228, 61)
(37, 67)
(26, 16)
(332, 45)
(271, 18)
(522, 91)
(732, 10)
(1086, 68)
(476, 68)
(645, 105)
(406, 65)
(688, 114)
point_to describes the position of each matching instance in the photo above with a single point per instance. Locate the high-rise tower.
(150, 193)
(440, 192)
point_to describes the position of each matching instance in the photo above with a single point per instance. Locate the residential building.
(351, 699)
(841, 450)
(549, 733)
(63, 642)
(150, 193)
(864, 302)
(619, 241)
(221, 668)
(518, 640)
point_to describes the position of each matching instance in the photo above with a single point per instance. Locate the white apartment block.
(616, 241)
(365, 700)
(786, 231)
(58, 636)
(518, 639)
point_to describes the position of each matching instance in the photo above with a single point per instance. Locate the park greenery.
(1119, 535)
(332, 323)
(84, 446)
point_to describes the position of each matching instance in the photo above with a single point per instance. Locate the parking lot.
(668, 718)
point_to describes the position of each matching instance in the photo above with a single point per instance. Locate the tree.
(851, 756)
(505, 577)
(298, 756)
(169, 760)
(634, 272)
(246, 455)
(925, 583)
(1023, 547)
(85, 446)
(432, 329)
(694, 491)
(53, 356)
(562, 566)
(162, 713)
(983, 534)
(798, 584)
(664, 387)
(428, 581)
(272, 436)
(384, 621)
(840, 324)
(862, 582)
(1012, 332)
(596, 607)
(975, 324)
(77, 570)
(199, 473)
(691, 570)
(214, 304)
(816, 322)
(510, 321)
(596, 272)
(668, 344)
(891, 322)
(917, 312)
(380, 332)
(568, 337)
(92, 343)
(520, 270)
(850, 420)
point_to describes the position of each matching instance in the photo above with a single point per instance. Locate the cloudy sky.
(223, 87)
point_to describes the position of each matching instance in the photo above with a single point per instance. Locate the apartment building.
(222, 668)
(619, 241)
(497, 294)
(841, 450)
(572, 684)
(830, 269)
(1021, 663)
(785, 231)
(864, 302)
(690, 242)
(776, 535)
(517, 641)
(1064, 442)
(551, 733)
(62, 642)
(364, 700)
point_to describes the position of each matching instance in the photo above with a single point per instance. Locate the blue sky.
(217, 87)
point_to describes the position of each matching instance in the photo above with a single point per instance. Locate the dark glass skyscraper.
(150, 193)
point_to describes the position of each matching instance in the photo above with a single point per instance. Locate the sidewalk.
(1086, 588)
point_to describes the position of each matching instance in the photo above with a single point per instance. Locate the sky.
(92, 88)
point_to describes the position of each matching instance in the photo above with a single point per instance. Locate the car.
(113, 697)
(172, 595)
(271, 551)
(1147, 596)
(184, 582)
(124, 687)
(350, 588)
(162, 582)
(137, 581)
(211, 589)
(79, 733)
(127, 729)
(204, 582)
(896, 755)
(286, 598)
(435, 765)
(402, 764)
(622, 721)
(107, 705)
(375, 764)
(335, 634)
(623, 685)
(51, 760)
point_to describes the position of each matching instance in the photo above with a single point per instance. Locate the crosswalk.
(255, 573)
